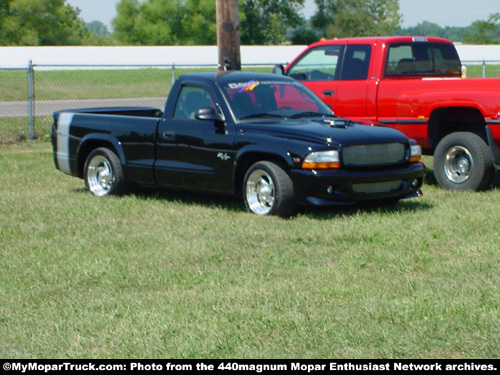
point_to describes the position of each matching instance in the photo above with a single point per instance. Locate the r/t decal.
(223, 156)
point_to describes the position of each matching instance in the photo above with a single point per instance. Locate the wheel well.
(247, 161)
(444, 121)
(85, 151)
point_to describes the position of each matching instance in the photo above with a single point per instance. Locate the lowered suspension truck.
(266, 138)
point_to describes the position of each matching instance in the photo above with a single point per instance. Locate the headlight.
(415, 153)
(322, 160)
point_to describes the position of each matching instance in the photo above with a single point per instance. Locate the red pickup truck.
(413, 84)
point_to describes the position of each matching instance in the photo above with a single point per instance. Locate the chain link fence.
(30, 95)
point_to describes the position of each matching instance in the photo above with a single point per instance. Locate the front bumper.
(345, 187)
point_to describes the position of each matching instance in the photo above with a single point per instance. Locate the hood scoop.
(337, 123)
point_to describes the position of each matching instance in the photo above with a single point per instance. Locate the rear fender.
(95, 140)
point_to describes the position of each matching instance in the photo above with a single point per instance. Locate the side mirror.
(209, 114)
(299, 76)
(279, 69)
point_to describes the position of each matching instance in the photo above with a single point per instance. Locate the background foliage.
(193, 22)
(41, 22)
(347, 18)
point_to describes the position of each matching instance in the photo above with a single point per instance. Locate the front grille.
(377, 154)
(377, 187)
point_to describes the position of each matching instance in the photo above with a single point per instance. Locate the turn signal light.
(332, 165)
(415, 153)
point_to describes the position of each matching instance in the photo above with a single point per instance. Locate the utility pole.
(228, 34)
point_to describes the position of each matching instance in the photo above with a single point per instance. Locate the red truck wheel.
(462, 161)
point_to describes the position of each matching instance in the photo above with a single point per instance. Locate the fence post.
(31, 98)
(484, 68)
(173, 74)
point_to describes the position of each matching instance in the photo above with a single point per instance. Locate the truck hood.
(334, 131)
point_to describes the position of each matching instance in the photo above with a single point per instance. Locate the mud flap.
(495, 150)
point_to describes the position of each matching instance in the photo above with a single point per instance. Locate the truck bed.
(116, 111)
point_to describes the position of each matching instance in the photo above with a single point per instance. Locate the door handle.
(168, 135)
(328, 93)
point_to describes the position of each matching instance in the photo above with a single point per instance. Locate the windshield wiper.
(310, 114)
(255, 115)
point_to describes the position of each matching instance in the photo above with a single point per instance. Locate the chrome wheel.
(100, 177)
(458, 164)
(462, 161)
(260, 192)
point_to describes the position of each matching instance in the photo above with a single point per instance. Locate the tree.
(188, 22)
(166, 22)
(350, 18)
(97, 28)
(41, 22)
(266, 21)
(304, 35)
(427, 28)
(484, 32)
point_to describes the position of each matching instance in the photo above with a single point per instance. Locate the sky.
(442, 12)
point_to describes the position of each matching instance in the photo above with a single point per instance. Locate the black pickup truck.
(264, 137)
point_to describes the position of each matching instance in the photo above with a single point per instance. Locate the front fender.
(251, 154)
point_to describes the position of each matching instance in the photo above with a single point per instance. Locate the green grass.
(91, 84)
(95, 84)
(15, 129)
(179, 275)
(476, 71)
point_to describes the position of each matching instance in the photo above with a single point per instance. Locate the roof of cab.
(386, 39)
(232, 76)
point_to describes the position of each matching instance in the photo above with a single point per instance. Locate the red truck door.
(338, 74)
(352, 99)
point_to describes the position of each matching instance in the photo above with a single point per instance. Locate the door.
(352, 100)
(338, 74)
(195, 154)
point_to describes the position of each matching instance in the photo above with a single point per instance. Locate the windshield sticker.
(251, 85)
(248, 86)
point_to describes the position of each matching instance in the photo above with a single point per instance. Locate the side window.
(446, 60)
(356, 62)
(190, 100)
(422, 59)
(399, 60)
(318, 64)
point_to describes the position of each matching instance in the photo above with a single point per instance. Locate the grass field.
(178, 275)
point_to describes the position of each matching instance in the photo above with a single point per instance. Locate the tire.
(268, 190)
(103, 173)
(462, 161)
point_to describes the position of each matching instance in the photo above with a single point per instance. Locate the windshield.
(273, 98)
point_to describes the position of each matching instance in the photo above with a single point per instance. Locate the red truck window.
(318, 64)
(356, 62)
(422, 59)
(336, 62)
